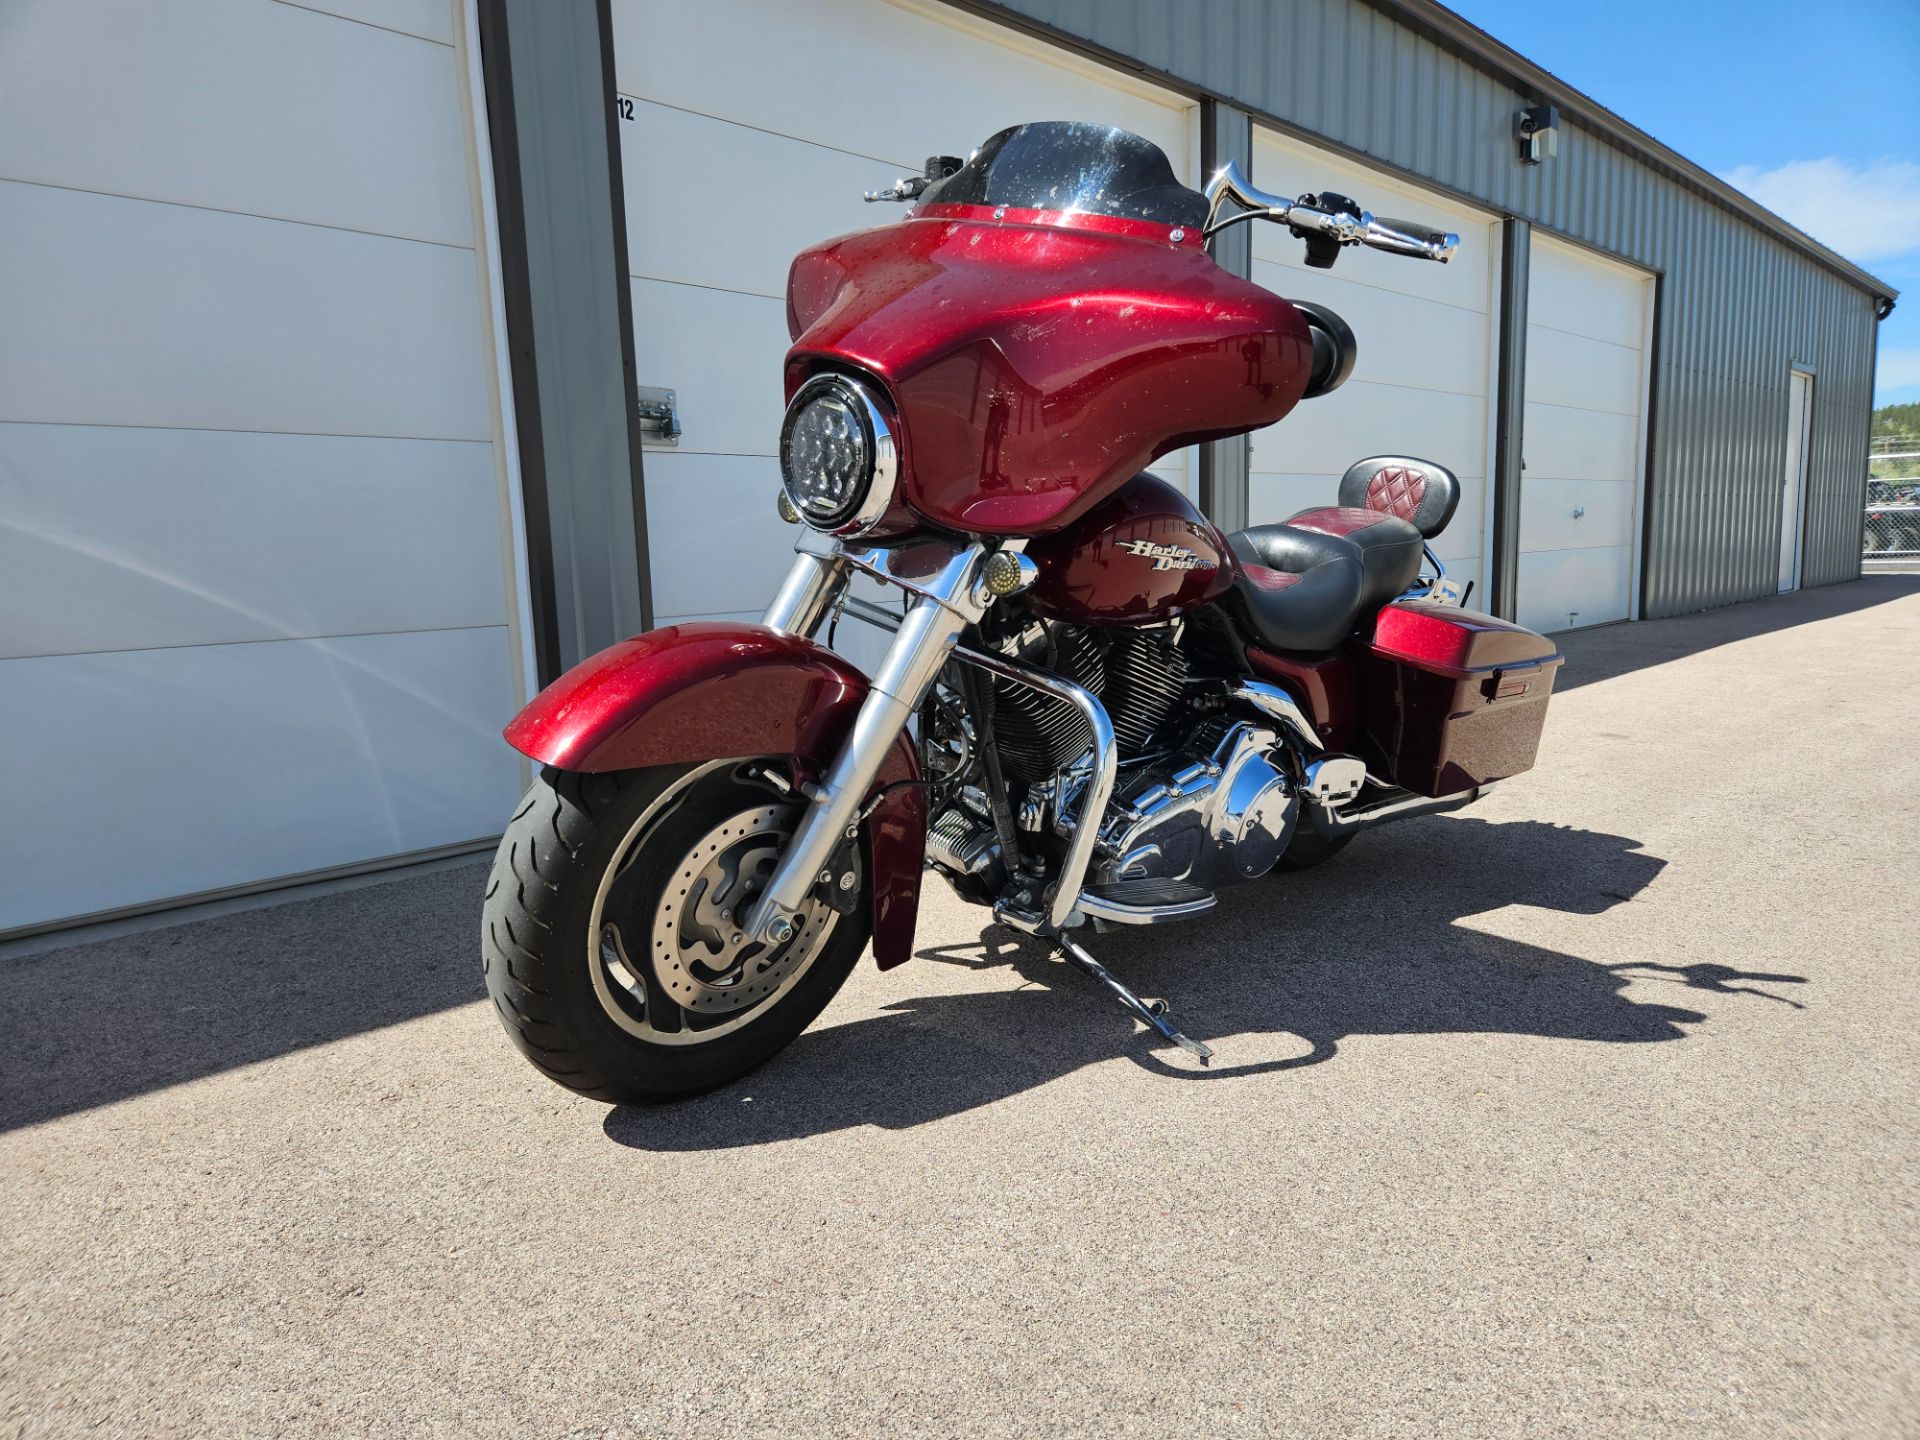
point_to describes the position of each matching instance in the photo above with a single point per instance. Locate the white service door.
(1793, 489)
(754, 127)
(1421, 384)
(253, 609)
(1584, 437)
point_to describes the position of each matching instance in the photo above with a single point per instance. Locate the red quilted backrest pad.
(1396, 491)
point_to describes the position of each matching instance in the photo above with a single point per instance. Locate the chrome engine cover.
(1212, 822)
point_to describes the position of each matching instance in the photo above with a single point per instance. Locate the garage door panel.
(920, 81)
(722, 354)
(1273, 498)
(1566, 589)
(720, 546)
(1548, 519)
(429, 19)
(328, 752)
(1585, 386)
(130, 538)
(1569, 444)
(146, 314)
(1174, 470)
(1403, 340)
(1598, 301)
(1572, 370)
(710, 229)
(1325, 436)
(1461, 538)
(239, 105)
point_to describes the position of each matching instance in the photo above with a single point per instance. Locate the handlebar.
(1325, 221)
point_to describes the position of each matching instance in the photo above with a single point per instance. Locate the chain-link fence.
(1893, 531)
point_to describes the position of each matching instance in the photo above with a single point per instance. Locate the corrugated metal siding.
(1738, 306)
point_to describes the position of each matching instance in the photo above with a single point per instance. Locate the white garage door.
(252, 610)
(755, 126)
(1422, 382)
(1587, 322)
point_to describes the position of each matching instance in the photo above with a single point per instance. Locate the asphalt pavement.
(1590, 1110)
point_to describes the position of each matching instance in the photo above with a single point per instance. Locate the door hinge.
(659, 414)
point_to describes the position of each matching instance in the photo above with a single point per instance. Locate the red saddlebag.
(1453, 698)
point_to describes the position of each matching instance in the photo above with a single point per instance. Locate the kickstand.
(1153, 1014)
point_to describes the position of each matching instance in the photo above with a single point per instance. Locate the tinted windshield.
(1065, 165)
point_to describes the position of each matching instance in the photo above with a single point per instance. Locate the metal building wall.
(1737, 306)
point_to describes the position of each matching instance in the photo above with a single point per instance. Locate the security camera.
(1537, 129)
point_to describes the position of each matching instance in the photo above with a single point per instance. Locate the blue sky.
(1814, 110)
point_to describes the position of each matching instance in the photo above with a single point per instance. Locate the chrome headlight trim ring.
(884, 473)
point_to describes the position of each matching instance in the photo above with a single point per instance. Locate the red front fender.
(714, 690)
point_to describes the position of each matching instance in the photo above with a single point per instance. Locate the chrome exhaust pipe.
(1333, 823)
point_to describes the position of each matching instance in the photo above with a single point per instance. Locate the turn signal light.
(1008, 573)
(787, 511)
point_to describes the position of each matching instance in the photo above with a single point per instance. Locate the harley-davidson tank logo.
(1167, 557)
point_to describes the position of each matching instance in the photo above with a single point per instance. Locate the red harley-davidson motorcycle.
(1095, 708)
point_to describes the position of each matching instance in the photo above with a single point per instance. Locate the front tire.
(607, 935)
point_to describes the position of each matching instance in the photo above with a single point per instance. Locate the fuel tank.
(1141, 555)
(1041, 359)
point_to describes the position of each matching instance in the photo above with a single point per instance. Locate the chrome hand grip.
(1410, 237)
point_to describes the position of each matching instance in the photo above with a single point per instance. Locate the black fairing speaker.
(1334, 349)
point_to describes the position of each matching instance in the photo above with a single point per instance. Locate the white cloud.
(1866, 212)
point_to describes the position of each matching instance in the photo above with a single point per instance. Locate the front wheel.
(611, 936)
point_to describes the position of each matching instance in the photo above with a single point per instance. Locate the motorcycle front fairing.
(713, 690)
(1047, 323)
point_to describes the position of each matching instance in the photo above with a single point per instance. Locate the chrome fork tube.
(947, 603)
(811, 587)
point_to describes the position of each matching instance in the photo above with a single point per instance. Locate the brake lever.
(912, 187)
(1327, 223)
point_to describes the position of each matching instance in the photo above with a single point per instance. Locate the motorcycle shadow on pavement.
(1369, 944)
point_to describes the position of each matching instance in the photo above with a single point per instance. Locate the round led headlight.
(837, 455)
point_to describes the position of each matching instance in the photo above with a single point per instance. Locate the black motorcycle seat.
(1305, 584)
(1309, 602)
(1388, 546)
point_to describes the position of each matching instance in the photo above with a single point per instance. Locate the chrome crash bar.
(1086, 833)
(1065, 899)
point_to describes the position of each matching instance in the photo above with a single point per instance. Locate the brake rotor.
(700, 952)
